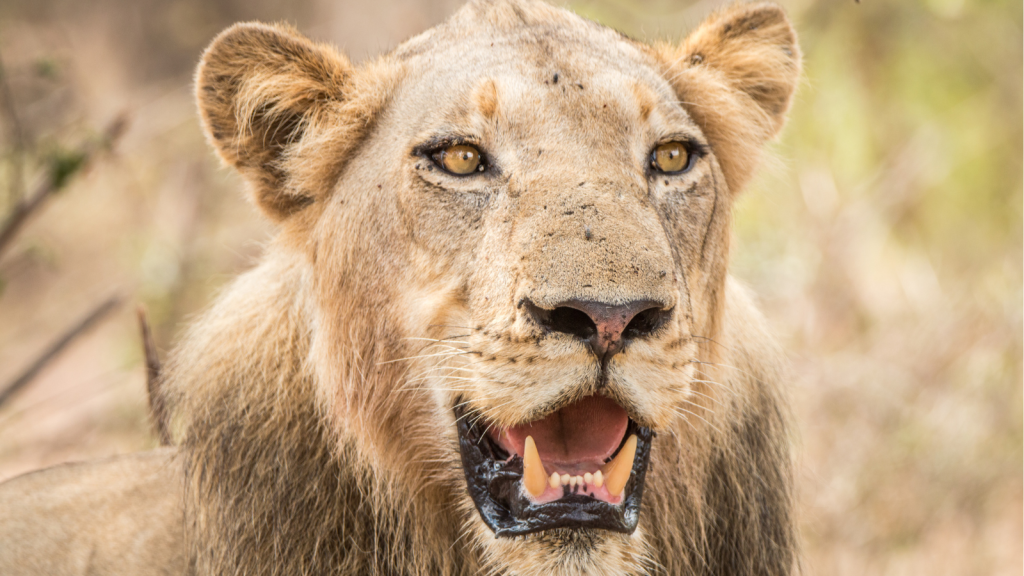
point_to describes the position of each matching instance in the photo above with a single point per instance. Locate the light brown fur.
(120, 515)
(313, 404)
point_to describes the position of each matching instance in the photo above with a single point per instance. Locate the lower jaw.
(496, 488)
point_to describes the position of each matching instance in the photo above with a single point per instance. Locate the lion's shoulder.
(120, 515)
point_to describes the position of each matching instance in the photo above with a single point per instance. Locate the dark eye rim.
(433, 150)
(694, 151)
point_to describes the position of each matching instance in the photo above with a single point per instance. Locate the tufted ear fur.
(260, 89)
(736, 75)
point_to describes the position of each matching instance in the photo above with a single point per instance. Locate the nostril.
(571, 321)
(646, 323)
(605, 327)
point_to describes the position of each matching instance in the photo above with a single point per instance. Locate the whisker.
(712, 398)
(483, 414)
(452, 326)
(468, 379)
(423, 356)
(444, 346)
(487, 429)
(441, 367)
(713, 427)
(740, 370)
(709, 382)
(695, 405)
(441, 377)
(479, 416)
(438, 340)
(713, 341)
(431, 372)
(468, 413)
(492, 409)
(685, 103)
(685, 419)
(424, 376)
(429, 389)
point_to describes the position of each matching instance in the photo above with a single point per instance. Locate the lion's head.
(495, 330)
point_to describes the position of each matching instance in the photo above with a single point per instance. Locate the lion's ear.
(736, 75)
(260, 88)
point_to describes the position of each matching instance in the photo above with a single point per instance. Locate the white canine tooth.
(588, 478)
(572, 481)
(598, 479)
(618, 470)
(579, 481)
(555, 480)
(565, 479)
(534, 478)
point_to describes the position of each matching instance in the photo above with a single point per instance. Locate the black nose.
(605, 327)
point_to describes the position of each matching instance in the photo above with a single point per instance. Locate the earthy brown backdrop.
(885, 241)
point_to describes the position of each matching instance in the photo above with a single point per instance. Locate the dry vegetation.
(885, 241)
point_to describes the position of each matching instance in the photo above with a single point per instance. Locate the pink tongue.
(587, 432)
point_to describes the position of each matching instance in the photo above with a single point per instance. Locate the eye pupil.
(460, 159)
(671, 157)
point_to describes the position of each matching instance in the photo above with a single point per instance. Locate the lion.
(495, 331)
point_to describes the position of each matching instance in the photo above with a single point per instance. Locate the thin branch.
(157, 410)
(93, 318)
(56, 179)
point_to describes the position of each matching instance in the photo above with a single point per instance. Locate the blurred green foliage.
(939, 82)
(62, 164)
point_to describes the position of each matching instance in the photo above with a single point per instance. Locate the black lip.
(494, 484)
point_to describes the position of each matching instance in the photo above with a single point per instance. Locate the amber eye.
(670, 158)
(460, 159)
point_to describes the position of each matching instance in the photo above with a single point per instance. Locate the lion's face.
(566, 255)
(568, 260)
(517, 232)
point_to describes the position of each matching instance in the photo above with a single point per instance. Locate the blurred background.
(884, 238)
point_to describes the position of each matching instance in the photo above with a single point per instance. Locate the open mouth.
(582, 466)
